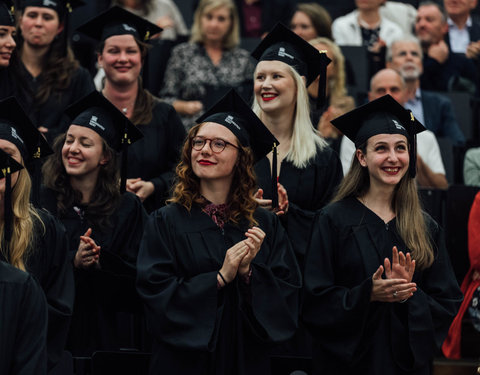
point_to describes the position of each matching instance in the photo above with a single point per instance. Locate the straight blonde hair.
(232, 39)
(306, 141)
(20, 247)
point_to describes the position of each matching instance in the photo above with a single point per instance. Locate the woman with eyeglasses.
(216, 273)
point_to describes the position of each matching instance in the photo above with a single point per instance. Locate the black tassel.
(413, 149)
(274, 177)
(8, 212)
(322, 82)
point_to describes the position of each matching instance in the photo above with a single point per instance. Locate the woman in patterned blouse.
(199, 71)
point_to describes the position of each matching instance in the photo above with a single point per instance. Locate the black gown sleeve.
(181, 311)
(55, 274)
(338, 314)
(23, 328)
(176, 136)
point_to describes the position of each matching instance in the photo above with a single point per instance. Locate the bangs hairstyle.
(405, 203)
(337, 83)
(25, 219)
(242, 204)
(107, 188)
(232, 39)
(306, 141)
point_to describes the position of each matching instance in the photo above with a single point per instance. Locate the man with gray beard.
(433, 110)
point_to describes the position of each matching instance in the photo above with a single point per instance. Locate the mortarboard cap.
(16, 127)
(232, 112)
(118, 21)
(6, 13)
(96, 112)
(380, 116)
(284, 45)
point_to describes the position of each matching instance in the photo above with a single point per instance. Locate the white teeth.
(391, 169)
(268, 95)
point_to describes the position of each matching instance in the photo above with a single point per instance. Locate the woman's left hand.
(282, 200)
(402, 267)
(255, 237)
(143, 189)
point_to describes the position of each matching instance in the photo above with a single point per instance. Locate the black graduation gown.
(155, 156)
(23, 324)
(51, 113)
(49, 264)
(198, 329)
(308, 189)
(352, 334)
(102, 293)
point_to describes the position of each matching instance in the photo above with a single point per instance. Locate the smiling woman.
(377, 269)
(121, 52)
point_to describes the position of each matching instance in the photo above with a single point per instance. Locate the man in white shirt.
(430, 168)
(463, 31)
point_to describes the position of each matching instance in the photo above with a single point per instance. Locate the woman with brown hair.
(121, 53)
(380, 292)
(51, 78)
(216, 273)
(32, 240)
(311, 21)
(104, 225)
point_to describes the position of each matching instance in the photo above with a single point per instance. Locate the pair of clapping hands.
(397, 286)
(88, 252)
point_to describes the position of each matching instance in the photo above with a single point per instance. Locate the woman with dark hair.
(216, 273)
(51, 78)
(380, 291)
(311, 21)
(200, 70)
(7, 49)
(121, 53)
(104, 227)
(32, 240)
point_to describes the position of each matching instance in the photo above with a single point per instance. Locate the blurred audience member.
(463, 30)
(163, 13)
(433, 110)
(211, 61)
(311, 21)
(443, 71)
(471, 167)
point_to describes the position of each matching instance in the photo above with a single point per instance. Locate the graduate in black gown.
(104, 226)
(216, 272)
(51, 78)
(380, 292)
(7, 48)
(121, 53)
(307, 169)
(23, 312)
(38, 241)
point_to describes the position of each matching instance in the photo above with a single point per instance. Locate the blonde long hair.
(306, 141)
(20, 247)
(232, 39)
(406, 205)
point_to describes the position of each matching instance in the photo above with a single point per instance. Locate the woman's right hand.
(390, 290)
(232, 260)
(88, 252)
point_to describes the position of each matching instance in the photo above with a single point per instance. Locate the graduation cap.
(381, 116)
(6, 13)
(96, 112)
(118, 21)
(282, 44)
(232, 112)
(17, 128)
(8, 166)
